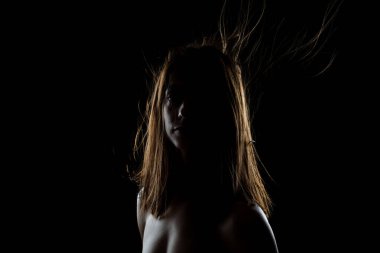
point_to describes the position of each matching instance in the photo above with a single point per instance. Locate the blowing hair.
(243, 165)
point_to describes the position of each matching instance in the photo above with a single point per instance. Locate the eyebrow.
(171, 87)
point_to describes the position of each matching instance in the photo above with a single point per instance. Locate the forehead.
(176, 81)
(195, 76)
(189, 85)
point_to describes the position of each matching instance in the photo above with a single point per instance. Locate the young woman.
(201, 190)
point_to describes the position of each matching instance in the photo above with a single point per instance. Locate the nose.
(183, 110)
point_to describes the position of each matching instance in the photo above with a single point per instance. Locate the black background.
(83, 75)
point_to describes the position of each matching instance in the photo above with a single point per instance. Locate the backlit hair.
(242, 162)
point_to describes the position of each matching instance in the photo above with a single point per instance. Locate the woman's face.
(176, 105)
(196, 108)
(188, 113)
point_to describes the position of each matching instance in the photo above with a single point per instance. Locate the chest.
(184, 229)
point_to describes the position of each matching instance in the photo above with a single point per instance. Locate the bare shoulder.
(247, 229)
(141, 216)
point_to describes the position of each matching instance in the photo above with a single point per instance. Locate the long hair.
(240, 159)
(242, 166)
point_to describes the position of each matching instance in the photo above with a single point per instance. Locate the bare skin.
(191, 225)
(199, 216)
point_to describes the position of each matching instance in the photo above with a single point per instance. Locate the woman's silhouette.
(201, 188)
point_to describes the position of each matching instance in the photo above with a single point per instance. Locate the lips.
(179, 128)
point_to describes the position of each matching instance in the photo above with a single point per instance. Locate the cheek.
(166, 118)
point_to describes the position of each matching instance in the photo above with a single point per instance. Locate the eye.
(173, 98)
